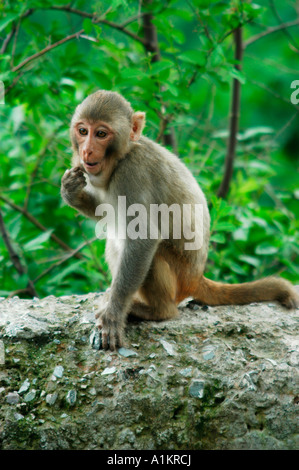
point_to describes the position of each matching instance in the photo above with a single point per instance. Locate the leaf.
(18, 116)
(133, 73)
(10, 17)
(238, 75)
(64, 272)
(161, 66)
(256, 262)
(217, 56)
(255, 131)
(249, 186)
(175, 91)
(236, 268)
(224, 227)
(266, 249)
(194, 57)
(68, 81)
(87, 25)
(241, 234)
(218, 238)
(36, 243)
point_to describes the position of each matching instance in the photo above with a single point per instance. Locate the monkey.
(112, 159)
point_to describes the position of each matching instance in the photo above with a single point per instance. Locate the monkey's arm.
(134, 264)
(74, 193)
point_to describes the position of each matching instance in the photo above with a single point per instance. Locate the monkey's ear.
(138, 122)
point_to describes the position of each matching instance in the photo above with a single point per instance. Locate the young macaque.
(157, 266)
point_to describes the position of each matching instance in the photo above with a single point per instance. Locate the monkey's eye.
(82, 131)
(101, 134)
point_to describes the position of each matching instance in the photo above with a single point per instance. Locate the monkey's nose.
(87, 154)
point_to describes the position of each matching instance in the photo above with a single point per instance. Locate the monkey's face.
(94, 142)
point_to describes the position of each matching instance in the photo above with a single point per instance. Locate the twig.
(38, 162)
(284, 30)
(13, 83)
(46, 49)
(152, 46)
(272, 92)
(271, 30)
(76, 35)
(33, 175)
(16, 261)
(8, 39)
(14, 44)
(35, 222)
(65, 258)
(20, 292)
(234, 119)
(96, 20)
(12, 253)
(13, 30)
(151, 37)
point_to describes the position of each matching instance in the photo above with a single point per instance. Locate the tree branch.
(96, 20)
(35, 222)
(152, 46)
(271, 30)
(47, 49)
(13, 30)
(65, 258)
(234, 119)
(12, 253)
(16, 261)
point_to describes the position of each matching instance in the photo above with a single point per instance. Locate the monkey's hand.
(111, 324)
(72, 185)
(73, 192)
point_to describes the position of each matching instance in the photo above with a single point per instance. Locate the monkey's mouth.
(92, 167)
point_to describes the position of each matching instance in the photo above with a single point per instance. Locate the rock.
(2, 353)
(216, 378)
(58, 372)
(12, 398)
(109, 370)
(24, 387)
(95, 339)
(196, 389)
(71, 397)
(127, 352)
(30, 396)
(51, 398)
(169, 348)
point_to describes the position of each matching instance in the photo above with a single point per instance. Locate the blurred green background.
(53, 54)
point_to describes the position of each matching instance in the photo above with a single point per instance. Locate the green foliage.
(253, 233)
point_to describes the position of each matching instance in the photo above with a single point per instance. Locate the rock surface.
(217, 378)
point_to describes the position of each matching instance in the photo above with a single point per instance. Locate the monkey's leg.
(158, 292)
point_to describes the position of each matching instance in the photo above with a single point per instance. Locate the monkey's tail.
(217, 293)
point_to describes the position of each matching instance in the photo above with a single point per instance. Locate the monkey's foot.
(111, 330)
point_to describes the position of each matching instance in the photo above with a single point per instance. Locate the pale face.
(93, 140)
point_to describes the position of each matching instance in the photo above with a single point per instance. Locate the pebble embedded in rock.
(196, 389)
(127, 352)
(71, 397)
(58, 372)
(24, 387)
(109, 370)
(2, 353)
(13, 398)
(95, 339)
(168, 347)
(30, 396)
(186, 372)
(51, 398)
